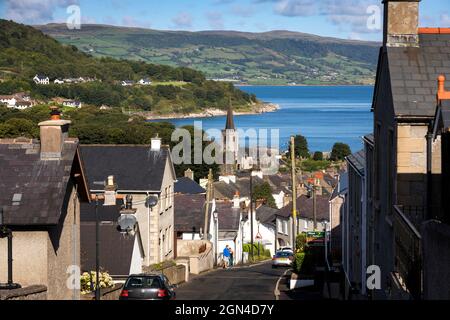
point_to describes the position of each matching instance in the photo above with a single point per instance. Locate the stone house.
(142, 171)
(41, 186)
(407, 163)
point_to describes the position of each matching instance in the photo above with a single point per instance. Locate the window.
(378, 160)
(390, 173)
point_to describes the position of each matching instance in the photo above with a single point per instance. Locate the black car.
(147, 287)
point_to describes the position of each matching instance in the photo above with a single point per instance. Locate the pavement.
(255, 282)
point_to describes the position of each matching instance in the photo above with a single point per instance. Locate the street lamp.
(6, 232)
(242, 240)
(216, 234)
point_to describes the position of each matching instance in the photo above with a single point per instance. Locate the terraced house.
(142, 171)
(410, 235)
(42, 183)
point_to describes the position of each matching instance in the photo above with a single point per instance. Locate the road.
(256, 282)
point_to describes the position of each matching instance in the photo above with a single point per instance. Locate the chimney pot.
(155, 144)
(442, 94)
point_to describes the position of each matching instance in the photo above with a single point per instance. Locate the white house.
(272, 228)
(144, 82)
(127, 83)
(58, 81)
(8, 100)
(72, 103)
(226, 228)
(41, 79)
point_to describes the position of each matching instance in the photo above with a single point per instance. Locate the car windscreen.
(143, 283)
(283, 254)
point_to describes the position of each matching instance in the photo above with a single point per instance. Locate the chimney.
(189, 174)
(110, 192)
(401, 23)
(155, 144)
(442, 94)
(53, 133)
(236, 200)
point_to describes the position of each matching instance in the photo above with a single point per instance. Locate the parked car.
(147, 287)
(289, 249)
(282, 259)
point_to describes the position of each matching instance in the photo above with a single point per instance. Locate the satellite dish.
(151, 201)
(127, 222)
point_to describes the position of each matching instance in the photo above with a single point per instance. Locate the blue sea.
(323, 114)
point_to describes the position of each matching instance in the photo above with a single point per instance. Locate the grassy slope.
(277, 57)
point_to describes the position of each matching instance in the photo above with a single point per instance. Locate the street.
(256, 282)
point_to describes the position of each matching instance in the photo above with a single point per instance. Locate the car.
(289, 249)
(147, 287)
(282, 259)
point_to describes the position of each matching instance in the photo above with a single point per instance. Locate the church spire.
(230, 121)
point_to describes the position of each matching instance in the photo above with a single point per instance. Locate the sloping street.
(256, 282)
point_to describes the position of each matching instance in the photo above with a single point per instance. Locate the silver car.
(282, 259)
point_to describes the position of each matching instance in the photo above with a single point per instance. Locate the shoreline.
(304, 85)
(212, 112)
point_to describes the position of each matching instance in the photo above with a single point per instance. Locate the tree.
(264, 192)
(318, 156)
(340, 151)
(301, 147)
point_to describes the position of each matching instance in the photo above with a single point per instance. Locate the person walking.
(226, 257)
(231, 257)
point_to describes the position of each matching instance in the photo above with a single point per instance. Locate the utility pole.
(97, 251)
(251, 215)
(294, 193)
(209, 187)
(314, 207)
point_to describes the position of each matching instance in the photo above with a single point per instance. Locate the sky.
(347, 19)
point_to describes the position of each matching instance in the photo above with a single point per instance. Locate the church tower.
(230, 143)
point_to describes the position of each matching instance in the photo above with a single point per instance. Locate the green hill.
(26, 51)
(276, 57)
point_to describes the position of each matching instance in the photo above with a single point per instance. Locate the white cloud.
(34, 11)
(182, 20)
(296, 8)
(215, 20)
(445, 20)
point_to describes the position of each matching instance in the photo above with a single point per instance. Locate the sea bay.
(323, 114)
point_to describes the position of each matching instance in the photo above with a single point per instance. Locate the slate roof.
(187, 186)
(305, 208)
(134, 167)
(229, 217)
(34, 191)
(105, 213)
(370, 138)
(358, 160)
(341, 187)
(267, 215)
(442, 118)
(414, 72)
(115, 252)
(223, 190)
(189, 212)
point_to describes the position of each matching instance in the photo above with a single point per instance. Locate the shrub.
(300, 242)
(86, 278)
(299, 258)
(318, 156)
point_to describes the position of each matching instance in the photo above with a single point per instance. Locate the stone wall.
(106, 293)
(35, 292)
(411, 164)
